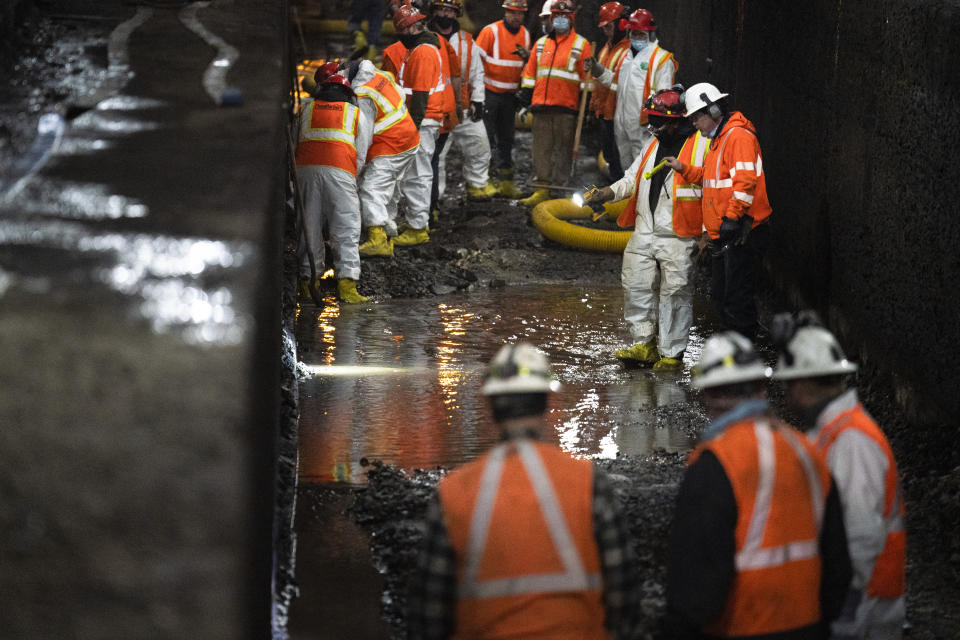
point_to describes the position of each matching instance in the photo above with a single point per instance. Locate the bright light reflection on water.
(400, 380)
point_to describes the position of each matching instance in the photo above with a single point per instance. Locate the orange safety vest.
(328, 134)
(888, 580)
(780, 483)
(520, 520)
(502, 68)
(464, 53)
(732, 176)
(393, 56)
(603, 103)
(393, 129)
(423, 70)
(555, 70)
(687, 215)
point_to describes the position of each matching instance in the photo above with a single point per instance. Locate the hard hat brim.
(524, 384)
(840, 368)
(722, 377)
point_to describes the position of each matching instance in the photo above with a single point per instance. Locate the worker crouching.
(657, 273)
(815, 371)
(525, 542)
(757, 548)
(327, 159)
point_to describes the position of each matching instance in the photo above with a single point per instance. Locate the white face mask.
(561, 24)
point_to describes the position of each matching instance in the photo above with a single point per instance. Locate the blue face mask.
(561, 24)
(637, 44)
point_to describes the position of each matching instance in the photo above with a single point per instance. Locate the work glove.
(522, 52)
(729, 231)
(593, 66)
(476, 111)
(524, 98)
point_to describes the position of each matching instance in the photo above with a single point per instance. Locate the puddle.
(400, 380)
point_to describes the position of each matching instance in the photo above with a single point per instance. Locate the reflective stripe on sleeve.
(501, 85)
(743, 197)
(709, 183)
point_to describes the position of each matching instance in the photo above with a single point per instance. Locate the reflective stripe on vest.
(574, 577)
(389, 111)
(687, 191)
(328, 132)
(507, 71)
(441, 83)
(346, 133)
(753, 555)
(651, 70)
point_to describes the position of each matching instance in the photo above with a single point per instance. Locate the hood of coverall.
(364, 75)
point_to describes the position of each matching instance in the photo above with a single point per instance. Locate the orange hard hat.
(514, 5)
(640, 20)
(609, 11)
(456, 5)
(406, 15)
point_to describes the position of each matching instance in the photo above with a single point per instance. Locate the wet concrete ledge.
(139, 322)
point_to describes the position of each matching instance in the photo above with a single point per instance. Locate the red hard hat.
(563, 6)
(515, 5)
(326, 71)
(609, 11)
(456, 5)
(665, 103)
(640, 20)
(406, 15)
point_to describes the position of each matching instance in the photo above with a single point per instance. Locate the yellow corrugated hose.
(549, 218)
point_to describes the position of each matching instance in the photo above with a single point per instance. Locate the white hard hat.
(812, 352)
(519, 368)
(728, 358)
(699, 96)
(545, 11)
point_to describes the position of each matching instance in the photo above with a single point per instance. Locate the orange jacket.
(555, 70)
(423, 70)
(888, 579)
(685, 198)
(328, 134)
(603, 103)
(393, 57)
(528, 564)
(393, 129)
(781, 484)
(732, 176)
(502, 68)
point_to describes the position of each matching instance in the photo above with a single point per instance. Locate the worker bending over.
(815, 371)
(504, 48)
(393, 147)
(734, 203)
(525, 542)
(757, 548)
(657, 275)
(328, 156)
(646, 69)
(469, 136)
(603, 102)
(552, 80)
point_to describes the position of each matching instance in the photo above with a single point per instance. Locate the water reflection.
(400, 381)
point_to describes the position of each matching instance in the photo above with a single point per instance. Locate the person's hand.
(674, 164)
(522, 52)
(476, 111)
(597, 195)
(729, 231)
(593, 66)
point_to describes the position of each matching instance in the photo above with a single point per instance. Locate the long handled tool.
(576, 137)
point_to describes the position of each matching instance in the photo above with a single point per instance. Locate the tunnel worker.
(815, 371)
(422, 77)
(552, 81)
(527, 541)
(469, 136)
(373, 11)
(657, 275)
(734, 203)
(392, 148)
(504, 48)
(757, 547)
(546, 18)
(327, 160)
(603, 102)
(646, 69)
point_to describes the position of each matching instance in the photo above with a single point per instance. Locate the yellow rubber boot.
(509, 190)
(411, 237)
(372, 54)
(359, 39)
(667, 363)
(540, 195)
(377, 244)
(640, 355)
(347, 291)
(481, 193)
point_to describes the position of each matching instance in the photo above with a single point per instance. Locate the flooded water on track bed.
(400, 381)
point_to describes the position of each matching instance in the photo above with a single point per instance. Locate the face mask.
(636, 44)
(713, 134)
(444, 23)
(561, 24)
(409, 40)
(545, 28)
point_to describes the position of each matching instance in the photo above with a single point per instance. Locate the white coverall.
(858, 466)
(631, 137)
(469, 136)
(379, 180)
(330, 200)
(417, 181)
(657, 266)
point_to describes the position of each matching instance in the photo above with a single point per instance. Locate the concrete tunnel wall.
(856, 105)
